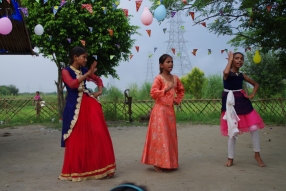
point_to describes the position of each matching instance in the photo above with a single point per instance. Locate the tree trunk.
(60, 93)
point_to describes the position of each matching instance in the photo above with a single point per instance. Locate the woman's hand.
(230, 56)
(92, 68)
(96, 94)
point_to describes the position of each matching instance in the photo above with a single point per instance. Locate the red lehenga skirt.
(88, 150)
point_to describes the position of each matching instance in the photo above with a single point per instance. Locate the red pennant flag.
(138, 4)
(82, 42)
(221, 51)
(192, 15)
(268, 7)
(130, 56)
(184, 1)
(110, 32)
(173, 50)
(137, 48)
(149, 32)
(125, 12)
(87, 7)
(194, 52)
(204, 24)
(248, 48)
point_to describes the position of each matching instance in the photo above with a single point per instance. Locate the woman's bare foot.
(157, 169)
(229, 162)
(259, 160)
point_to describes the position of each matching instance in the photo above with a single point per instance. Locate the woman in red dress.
(88, 147)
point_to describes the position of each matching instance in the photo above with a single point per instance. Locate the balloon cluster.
(159, 13)
(5, 26)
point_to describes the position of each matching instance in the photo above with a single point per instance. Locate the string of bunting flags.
(159, 14)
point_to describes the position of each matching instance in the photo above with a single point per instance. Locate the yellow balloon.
(257, 57)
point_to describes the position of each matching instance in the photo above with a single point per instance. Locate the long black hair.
(76, 51)
(162, 60)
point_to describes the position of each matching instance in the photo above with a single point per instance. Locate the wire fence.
(27, 111)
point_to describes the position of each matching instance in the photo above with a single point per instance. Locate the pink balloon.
(5, 26)
(146, 17)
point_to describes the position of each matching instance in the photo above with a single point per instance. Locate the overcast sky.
(30, 73)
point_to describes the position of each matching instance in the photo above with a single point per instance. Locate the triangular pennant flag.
(114, 6)
(100, 44)
(164, 30)
(45, 1)
(173, 13)
(87, 7)
(221, 12)
(55, 9)
(150, 55)
(194, 52)
(155, 48)
(104, 9)
(110, 32)
(173, 50)
(111, 56)
(226, 50)
(130, 56)
(222, 51)
(249, 10)
(209, 51)
(82, 42)
(184, 1)
(94, 56)
(137, 48)
(69, 40)
(204, 24)
(149, 32)
(63, 2)
(90, 29)
(158, 3)
(138, 5)
(268, 7)
(192, 15)
(178, 54)
(24, 11)
(117, 45)
(183, 28)
(125, 12)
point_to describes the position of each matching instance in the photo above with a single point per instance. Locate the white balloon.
(39, 29)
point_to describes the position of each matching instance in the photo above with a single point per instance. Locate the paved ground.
(31, 159)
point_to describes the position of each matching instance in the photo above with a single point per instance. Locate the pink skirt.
(252, 120)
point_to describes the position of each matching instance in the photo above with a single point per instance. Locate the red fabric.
(88, 152)
(95, 79)
(244, 124)
(72, 83)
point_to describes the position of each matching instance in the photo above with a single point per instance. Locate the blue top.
(71, 101)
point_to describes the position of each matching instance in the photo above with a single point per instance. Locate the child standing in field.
(161, 145)
(238, 115)
(85, 136)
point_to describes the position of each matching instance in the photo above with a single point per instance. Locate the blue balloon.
(160, 12)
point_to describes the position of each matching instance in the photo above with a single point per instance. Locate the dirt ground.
(31, 159)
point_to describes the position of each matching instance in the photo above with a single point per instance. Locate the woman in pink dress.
(161, 145)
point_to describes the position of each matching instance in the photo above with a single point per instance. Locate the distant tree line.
(9, 90)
